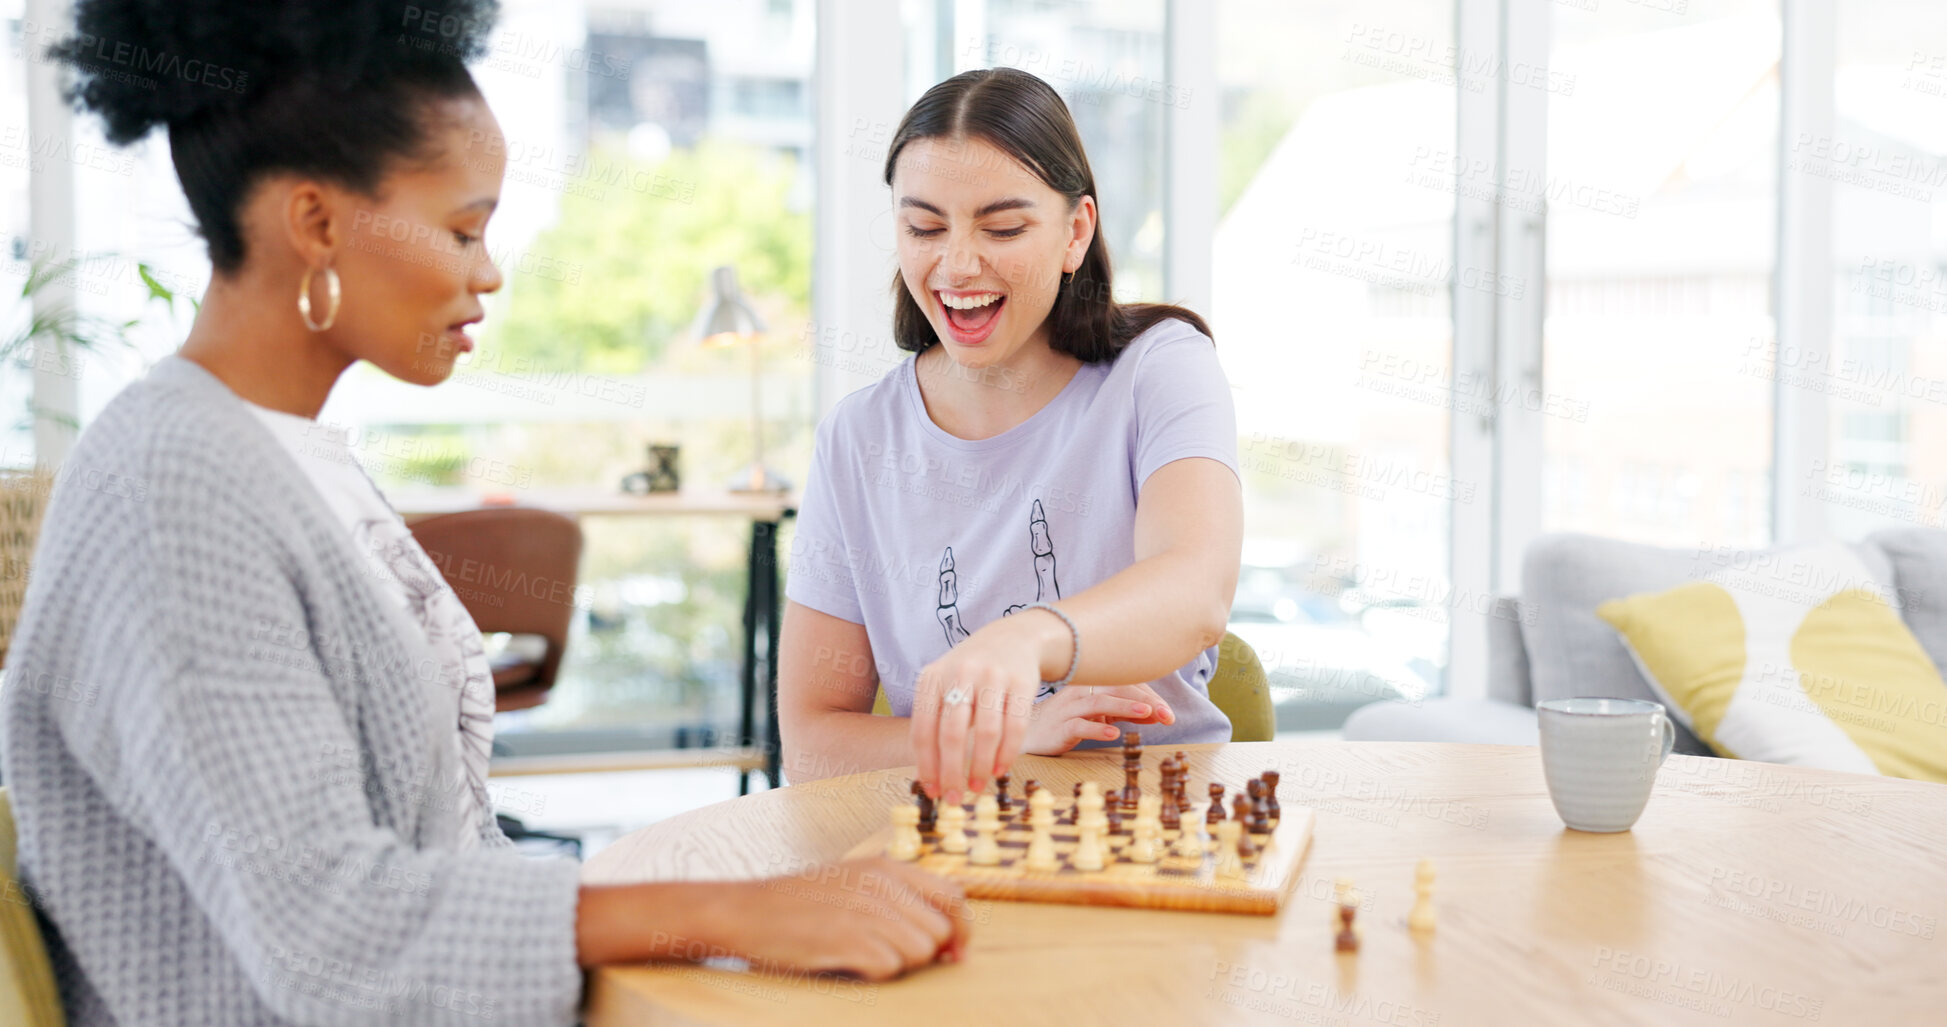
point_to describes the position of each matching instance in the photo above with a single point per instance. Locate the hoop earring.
(1066, 277)
(304, 299)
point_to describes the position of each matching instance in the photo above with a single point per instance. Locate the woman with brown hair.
(1045, 496)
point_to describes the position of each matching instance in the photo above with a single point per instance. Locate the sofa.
(1548, 643)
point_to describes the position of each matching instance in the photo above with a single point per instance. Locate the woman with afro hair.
(245, 731)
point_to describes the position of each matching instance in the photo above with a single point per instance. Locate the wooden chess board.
(1172, 882)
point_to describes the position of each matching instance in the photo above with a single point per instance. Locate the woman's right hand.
(1079, 714)
(872, 918)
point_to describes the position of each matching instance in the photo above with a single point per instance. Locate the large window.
(648, 142)
(1884, 375)
(1331, 275)
(1661, 203)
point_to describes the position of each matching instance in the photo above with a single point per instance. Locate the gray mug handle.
(1669, 735)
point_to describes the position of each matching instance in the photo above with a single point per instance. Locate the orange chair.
(514, 568)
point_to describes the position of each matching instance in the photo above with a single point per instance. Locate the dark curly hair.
(1027, 120)
(340, 89)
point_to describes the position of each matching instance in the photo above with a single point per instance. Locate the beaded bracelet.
(1073, 661)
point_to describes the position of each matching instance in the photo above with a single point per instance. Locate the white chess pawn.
(1092, 825)
(1421, 918)
(905, 837)
(953, 828)
(1190, 841)
(987, 825)
(1041, 845)
(1229, 863)
(1147, 830)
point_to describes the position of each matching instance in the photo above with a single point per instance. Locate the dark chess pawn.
(1260, 813)
(928, 813)
(1000, 794)
(1270, 779)
(1216, 813)
(1348, 939)
(1241, 811)
(1113, 811)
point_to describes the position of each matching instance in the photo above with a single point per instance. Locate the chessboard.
(1255, 880)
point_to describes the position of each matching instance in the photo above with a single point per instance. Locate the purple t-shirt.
(924, 537)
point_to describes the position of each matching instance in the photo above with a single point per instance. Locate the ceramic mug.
(1600, 757)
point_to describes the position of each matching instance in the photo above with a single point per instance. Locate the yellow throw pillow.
(1798, 659)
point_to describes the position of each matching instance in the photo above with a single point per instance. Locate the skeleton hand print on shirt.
(949, 608)
(1047, 587)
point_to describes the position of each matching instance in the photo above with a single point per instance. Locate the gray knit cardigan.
(228, 760)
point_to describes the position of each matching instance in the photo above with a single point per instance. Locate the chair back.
(23, 498)
(514, 568)
(1240, 689)
(27, 993)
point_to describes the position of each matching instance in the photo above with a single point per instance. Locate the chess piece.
(1270, 778)
(1148, 831)
(987, 825)
(1041, 843)
(928, 817)
(1216, 804)
(1003, 804)
(1230, 835)
(1113, 810)
(1341, 888)
(1260, 814)
(1171, 817)
(953, 828)
(905, 845)
(1240, 809)
(1190, 839)
(1421, 918)
(1091, 850)
(1132, 768)
(1348, 937)
(1028, 790)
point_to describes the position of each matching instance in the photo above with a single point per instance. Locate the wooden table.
(1748, 893)
(763, 595)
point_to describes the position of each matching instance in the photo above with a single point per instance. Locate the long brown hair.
(1019, 114)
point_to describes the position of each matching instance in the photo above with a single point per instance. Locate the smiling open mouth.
(971, 316)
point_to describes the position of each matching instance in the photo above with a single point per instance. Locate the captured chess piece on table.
(1348, 936)
(1421, 919)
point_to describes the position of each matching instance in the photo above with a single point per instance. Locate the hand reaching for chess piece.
(974, 710)
(876, 919)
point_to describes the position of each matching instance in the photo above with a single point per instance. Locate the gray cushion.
(1919, 559)
(1573, 652)
(1507, 654)
(1480, 721)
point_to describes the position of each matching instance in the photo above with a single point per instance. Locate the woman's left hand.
(971, 706)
